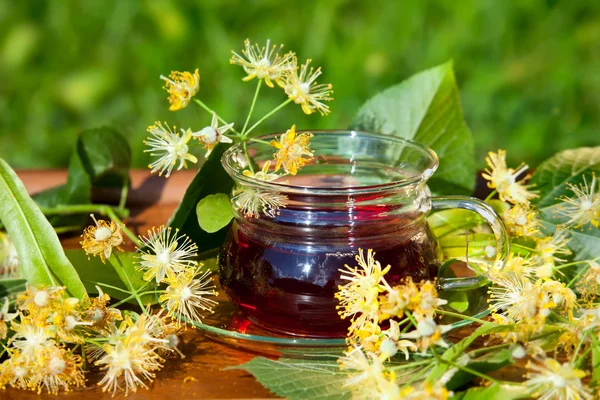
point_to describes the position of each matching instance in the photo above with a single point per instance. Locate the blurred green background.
(528, 71)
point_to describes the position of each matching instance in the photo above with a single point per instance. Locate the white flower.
(187, 294)
(169, 254)
(551, 247)
(369, 379)
(170, 148)
(251, 202)
(552, 380)
(302, 88)
(584, 208)
(428, 333)
(263, 62)
(504, 179)
(212, 135)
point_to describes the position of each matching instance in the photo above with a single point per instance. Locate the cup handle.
(502, 239)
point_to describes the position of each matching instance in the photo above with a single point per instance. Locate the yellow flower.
(99, 240)
(169, 254)
(359, 296)
(290, 150)
(367, 376)
(182, 86)
(9, 259)
(39, 302)
(550, 248)
(262, 175)
(427, 392)
(187, 295)
(128, 362)
(263, 62)
(29, 338)
(5, 317)
(584, 208)
(428, 334)
(251, 202)
(504, 179)
(170, 148)
(302, 88)
(212, 135)
(550, 379)
(101, 316)
(522, 220)
(589, 283)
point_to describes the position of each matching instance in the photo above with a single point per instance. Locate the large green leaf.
(426, 108)
(92, 271)
(41, 257)
(494, 392)
(12, 286)
(300, 379)
(210, 179)
(484, 364)
(551, 179)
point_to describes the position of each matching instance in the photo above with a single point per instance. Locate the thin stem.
(408, 365)
(573, 263)
(259, 141)
(576, 277)
(210, 111)
(279, 107)
(491, 195)
(124, 193)
(258, 85)
(66, 229)
(131, 287)
(578, 348)
(85, 209)
(245, 146)
(109, 286)
(463, 368)
(477, 352)
(451, 314)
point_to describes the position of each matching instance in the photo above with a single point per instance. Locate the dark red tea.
(284, 273)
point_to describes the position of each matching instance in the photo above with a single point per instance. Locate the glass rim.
(236, 172)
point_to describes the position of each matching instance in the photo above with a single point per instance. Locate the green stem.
(451, 314)
(131, 287)
(576, 277)
(124, 194)
(573, 263)
(66, 229)
(124, 228)
(85, 209)
(259, 141)
(476, 353)
(491, 195)
(258, 85)
(279, 107)
(210, 111)
(462, 368)
(108, 286)
(245, 147)
(408, 365)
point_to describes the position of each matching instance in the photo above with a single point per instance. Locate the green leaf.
(41, 257)
(494, 392)
(426, 108)
(299, 379)
(551, 179)
(214, 212)
(106, 156)
(595, 380)
(12, 286)
(93, 271)
(210, 179)
(458, 301)
(459, 348)
(487, 363)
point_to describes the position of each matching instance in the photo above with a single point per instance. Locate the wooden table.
(200, 375)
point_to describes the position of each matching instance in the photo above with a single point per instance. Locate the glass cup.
(360, 191)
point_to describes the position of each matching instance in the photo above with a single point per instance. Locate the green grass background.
(528, 70)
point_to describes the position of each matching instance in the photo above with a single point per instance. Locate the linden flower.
(522, 220)
(169, 147)
(428, 333)
(182, 86)
(9, 259)
(550, 379)
(262, 175)
(263, 62)
(291, 149)
(39, 301)
(101, 316)
(551, 247)
(5, 317)
(62, 370)
(504, 179)
(427, 392)
(302, 88)
(584, 208)
(212, 135)
(29, 339)
(359, 296)
(100, 239)
(127, 362)
(589, 283)
(251, 202)
(186, 295)
(168, 255)
(369, 379)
